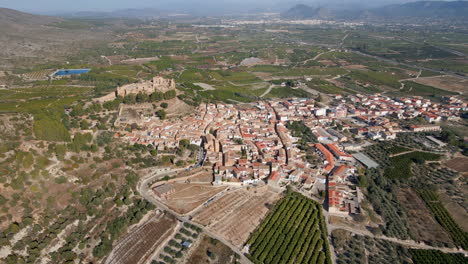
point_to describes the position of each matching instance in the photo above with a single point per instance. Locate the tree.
(84, 124)
(156, 96)
(3, 200)
(184, 143)
(164, 105)
(142, 98)
(129, 99)
(319, 98)
(170, 94)
(161, 114)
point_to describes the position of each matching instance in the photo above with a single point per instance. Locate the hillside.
(13, 18)
(425, 9)
(413, 10)
(26, 38)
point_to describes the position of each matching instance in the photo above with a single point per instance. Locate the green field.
(400, 166)
(294, 232)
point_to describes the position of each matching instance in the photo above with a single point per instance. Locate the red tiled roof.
(328, 156)
(274, 176)
(334, 148)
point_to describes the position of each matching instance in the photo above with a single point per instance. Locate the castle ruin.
(157, 84)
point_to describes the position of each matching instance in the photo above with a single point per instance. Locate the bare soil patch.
(422, 224)
(355, 67)
(177, 107)
(206, 177)
(187, 197)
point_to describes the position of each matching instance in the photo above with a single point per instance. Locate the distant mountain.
(307, 12)
(425, 9)
(413, 10)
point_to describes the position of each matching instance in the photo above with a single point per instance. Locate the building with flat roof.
(365, 160)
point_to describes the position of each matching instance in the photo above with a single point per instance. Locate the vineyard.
(294, 232)
(442, 216)
(436, 257)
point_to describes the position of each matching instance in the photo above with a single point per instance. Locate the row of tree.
(292, 233)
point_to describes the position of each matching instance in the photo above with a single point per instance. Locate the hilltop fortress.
(157, 84)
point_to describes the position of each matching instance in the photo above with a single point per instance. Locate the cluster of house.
(249, 144)
(368, 115)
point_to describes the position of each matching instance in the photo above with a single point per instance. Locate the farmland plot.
(237, 214)
(140, 244)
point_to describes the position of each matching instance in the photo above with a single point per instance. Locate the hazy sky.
(51, 6)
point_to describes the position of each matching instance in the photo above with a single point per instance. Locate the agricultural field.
(400, 166)
(240, 206)
(450, 185)
(444, 218)
(458, 66)
(137, 246)
(448, 83)
(187, 197)
(436, 257)
(324, 86)
(423, 226)
(417, 89)
(293, 232)
(38, 75)
(459, 164)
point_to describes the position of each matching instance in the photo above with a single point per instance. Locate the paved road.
(144, 191)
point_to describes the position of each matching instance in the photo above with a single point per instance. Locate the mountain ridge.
(414, 10)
